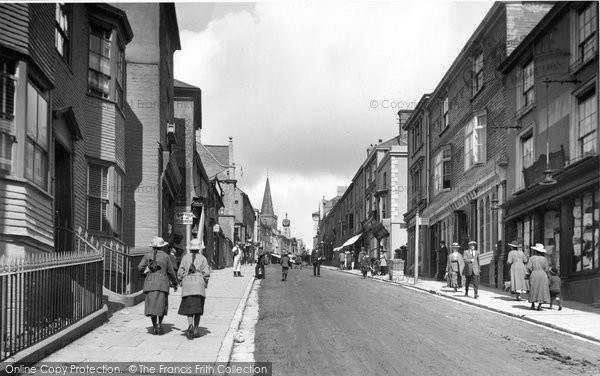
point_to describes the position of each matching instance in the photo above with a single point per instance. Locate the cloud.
(305, 87)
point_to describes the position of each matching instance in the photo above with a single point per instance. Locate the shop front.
(565, 217)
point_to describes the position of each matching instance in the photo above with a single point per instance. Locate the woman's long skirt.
(192, 305)
(156, 303)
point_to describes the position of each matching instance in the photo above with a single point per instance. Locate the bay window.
(36, 146)
(7, 112)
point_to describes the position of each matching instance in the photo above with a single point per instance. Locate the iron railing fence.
(42, 294)
(121, 275)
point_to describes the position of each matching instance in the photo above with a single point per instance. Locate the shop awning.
(352, 240)
(338, 248)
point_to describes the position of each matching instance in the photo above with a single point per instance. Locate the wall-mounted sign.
(184, 218)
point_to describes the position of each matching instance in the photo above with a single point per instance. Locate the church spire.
(267, 203)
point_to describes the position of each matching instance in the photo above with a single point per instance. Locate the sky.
(305, 87)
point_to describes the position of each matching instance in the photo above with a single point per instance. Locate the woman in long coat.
(539, 291)
(160, 274)
(517, 260)
(456, 263)
(193, 273)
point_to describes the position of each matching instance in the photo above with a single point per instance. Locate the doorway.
(63, 199)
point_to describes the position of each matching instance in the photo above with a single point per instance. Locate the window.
(478, 73)
(488, 245)
(97, 198)
(7, 112)
(445, 108)
(525, 159)
(384, 182)
(528, 81)
(120, 72)
(442, 169)
(587, 121)
(475, 141)
(586, 221)
(99, 61)
(61, 40)
(587, 33)
(36, 147)
(117, 194)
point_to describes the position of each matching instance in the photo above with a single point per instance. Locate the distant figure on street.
(383, 262)
(298, 262)
(157, 267)
(539, 291)
(554, 286)
(455, 266)
(442, 260)
(342, 260)
(365, 262)
(193, 274)
(237, 259)
(471, 269)
(315, 258)
(349, 260)
(259, 269)
(517, 261)
(285, 266)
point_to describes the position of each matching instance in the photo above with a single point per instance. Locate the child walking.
(554, 282)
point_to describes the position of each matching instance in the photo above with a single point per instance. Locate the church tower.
(267, 216)
(286, 227)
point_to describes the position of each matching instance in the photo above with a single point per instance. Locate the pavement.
(578, 319)
(127, 335)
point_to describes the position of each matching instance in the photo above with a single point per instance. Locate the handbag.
(152, 266)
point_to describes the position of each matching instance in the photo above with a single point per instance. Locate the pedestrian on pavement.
(315, 258)
(471, 269)
(349, 260)
(237, 259)
(517, 261)
(455, 266)
(159, 271)
(554, 282)
(285, 266)
(539, 291)
(383, 262)
(259, 269)
(193, 275)
(364, 260)
(342, 260)
(442, 260)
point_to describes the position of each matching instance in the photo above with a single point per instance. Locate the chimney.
(403, 116)
(380, 141)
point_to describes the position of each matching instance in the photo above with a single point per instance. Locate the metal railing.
(42, 294)
(121, 275)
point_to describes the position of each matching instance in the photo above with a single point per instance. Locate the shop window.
(586, 228)
(552, 237)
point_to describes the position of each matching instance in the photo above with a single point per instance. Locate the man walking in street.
(260, 264)
(315, 258)
(237, 259)
(471, 271)
(442, 260)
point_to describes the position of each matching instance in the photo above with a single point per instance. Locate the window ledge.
(474, 166)
(578, 160)
(578, 65)
(525, 110)
(444, 130)
(476, 94)
(29, 184)
(518, 191)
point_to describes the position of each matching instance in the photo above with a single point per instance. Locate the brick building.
(62, 124)
(466, 135)
(552, 191)
(152, 181)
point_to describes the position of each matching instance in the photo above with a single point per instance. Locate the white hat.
(539, 247)
(196, 244)
(158, 242)
(455, 245)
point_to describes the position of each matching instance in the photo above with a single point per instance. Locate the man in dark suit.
(259, 269)
(472, 269)
(315, 258)
(442, 260)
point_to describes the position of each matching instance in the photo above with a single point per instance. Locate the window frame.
(65, 10)
(37, 164)
(590, 96)
(477, 69)
(93, 89)
(104, 223)
(475, 131)
(441, 160)
(8, 74)
(445, 113)
(528, 84)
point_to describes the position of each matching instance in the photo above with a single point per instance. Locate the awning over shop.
(338, 248)
(352, 240)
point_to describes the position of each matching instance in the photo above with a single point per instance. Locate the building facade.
(552, 183)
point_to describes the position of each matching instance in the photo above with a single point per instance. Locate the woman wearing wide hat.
(539, 291)
(193, 273)
(158, 269)
(455, 265)
(517, 260)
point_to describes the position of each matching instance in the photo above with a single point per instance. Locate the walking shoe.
(189, 333)
(476, 296)
(154, 329)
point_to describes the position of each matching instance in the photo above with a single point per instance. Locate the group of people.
(346, 260)
(193, 274)
(531, 275)
(371, 264)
